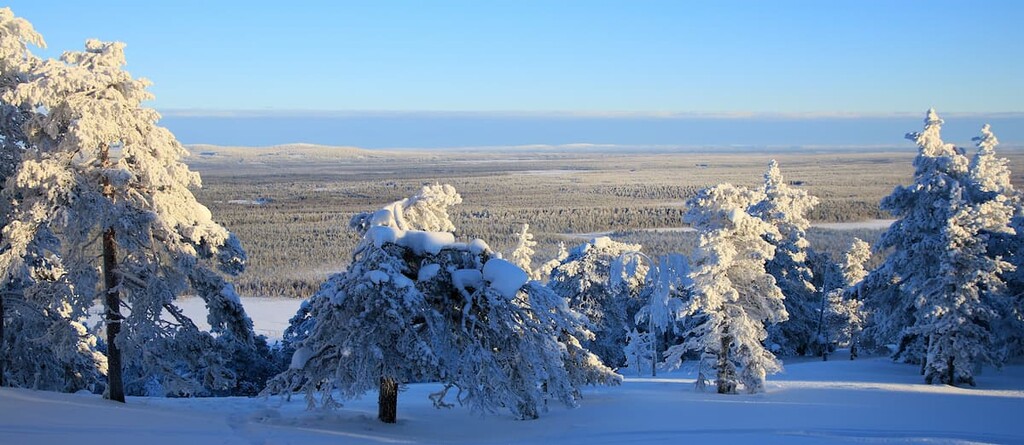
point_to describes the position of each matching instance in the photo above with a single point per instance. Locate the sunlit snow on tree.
(415, 306)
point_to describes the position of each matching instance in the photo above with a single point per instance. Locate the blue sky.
(869, 56)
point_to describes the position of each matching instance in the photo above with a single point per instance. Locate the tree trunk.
(654, 345)
(112, 310)
(927, 350)
(387, 402)
(726, 381)
(3, 343)
(112, 295)
(950, 372)
(821, 328)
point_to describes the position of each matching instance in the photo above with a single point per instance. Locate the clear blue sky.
(591, 56)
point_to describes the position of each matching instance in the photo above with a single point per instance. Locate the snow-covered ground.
(269, 315)
(856, 225)
(864, 401)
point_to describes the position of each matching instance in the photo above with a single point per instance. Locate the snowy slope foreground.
(871, 400)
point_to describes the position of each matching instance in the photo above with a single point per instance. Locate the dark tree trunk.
(112, 306)
(924, 360)
(821, 328)
(3, 343)
(950, 372)
(726, 381)
(853, 349)
(112, 296)
(387, 402)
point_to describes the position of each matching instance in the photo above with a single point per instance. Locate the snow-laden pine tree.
(426, 211)
(585, 279)
(414, 305)
(961, 316)
(842, 316)
(35, 297)
(16, 62)
(108, 184)
(990, 185)
(946, 280)
(958, 308)
(732, 294)
(923, 211)
(786, 208)
(522, 255)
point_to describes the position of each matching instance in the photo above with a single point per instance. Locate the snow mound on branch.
(377, 277)
(504, 277)
(419, 241)
(300, 357)
(428, 272)
(602, 242)
(478, 246)
(467, 278)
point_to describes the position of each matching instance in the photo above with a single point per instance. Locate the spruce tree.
(786, 208)
(941, 291)
(842, 313)
(922, 210)
(522, 255)
(732, 294)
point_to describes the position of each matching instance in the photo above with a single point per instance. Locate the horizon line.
(568, 114)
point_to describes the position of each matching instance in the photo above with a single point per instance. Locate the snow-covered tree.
(842, 317)
(663, 290)
(16, 62)
(947, 289)
(414, 305)
(786, 208)
(959, 308)
(852, 266)
(46, 344)
(731, 292)
(916, 238)
(962, 318)
(60, 354)
(103, 171)
(425, 211)
(522, 255)
(585, 279)
(990, 185)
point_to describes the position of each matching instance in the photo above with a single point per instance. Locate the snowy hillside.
(840, 401)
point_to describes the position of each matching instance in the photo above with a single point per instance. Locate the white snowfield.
(269, 315)
(865, 401)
